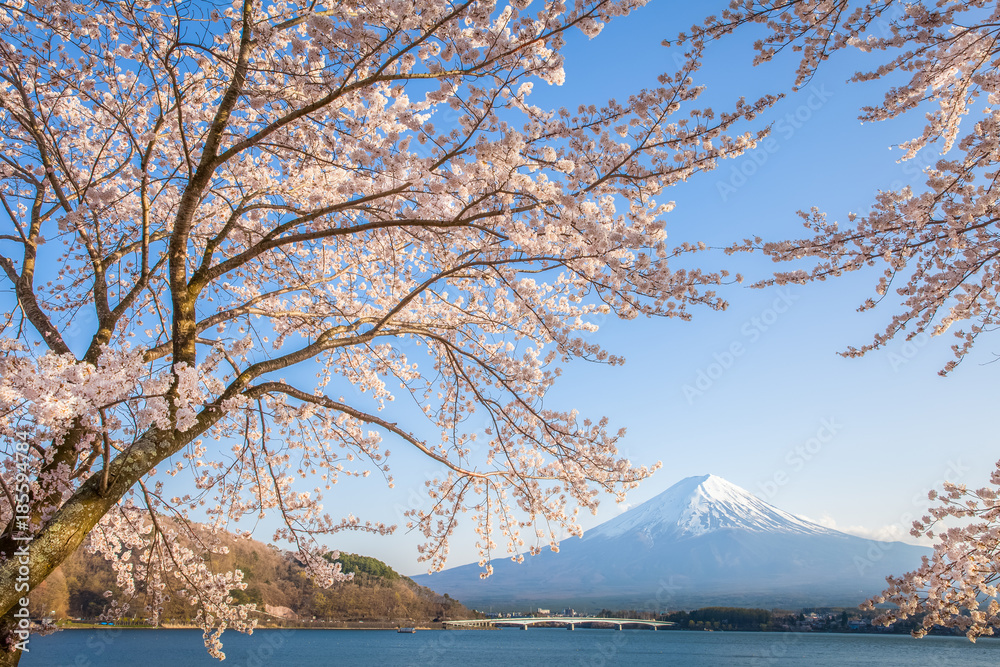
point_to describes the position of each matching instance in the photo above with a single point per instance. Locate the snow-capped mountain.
(699, 505)
(703, 541)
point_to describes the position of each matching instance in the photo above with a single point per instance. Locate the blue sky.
(852, 443)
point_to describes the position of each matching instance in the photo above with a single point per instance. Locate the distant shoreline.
(175, 626)
(384, 627)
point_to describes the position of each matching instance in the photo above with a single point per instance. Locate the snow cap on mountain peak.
(703, 504)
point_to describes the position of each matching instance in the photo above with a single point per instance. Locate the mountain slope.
(276, 581)
(702, 541)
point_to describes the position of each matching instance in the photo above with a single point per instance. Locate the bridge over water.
(570, 622)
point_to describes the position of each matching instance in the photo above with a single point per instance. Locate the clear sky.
(852, 443)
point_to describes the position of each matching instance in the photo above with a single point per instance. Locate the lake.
(484, 648)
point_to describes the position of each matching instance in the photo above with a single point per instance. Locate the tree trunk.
(10, 654)
(68, 527)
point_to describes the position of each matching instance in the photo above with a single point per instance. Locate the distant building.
(543, 612)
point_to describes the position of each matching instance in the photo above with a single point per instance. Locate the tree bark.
(10, 654)
(67, 529)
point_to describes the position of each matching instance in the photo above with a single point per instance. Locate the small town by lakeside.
(708, 619)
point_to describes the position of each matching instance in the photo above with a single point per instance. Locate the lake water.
(484, 648)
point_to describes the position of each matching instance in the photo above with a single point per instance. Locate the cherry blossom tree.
(957, 585)
(938, 243)
(220, 220)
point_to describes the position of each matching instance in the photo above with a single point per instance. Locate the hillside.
(277, 584)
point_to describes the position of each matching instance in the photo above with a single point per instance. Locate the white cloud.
(890, 533)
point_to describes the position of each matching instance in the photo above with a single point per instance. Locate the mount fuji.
(703, 541)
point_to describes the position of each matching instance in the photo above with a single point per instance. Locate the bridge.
(570, 622)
